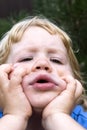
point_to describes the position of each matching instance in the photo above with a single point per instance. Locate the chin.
(39, 106)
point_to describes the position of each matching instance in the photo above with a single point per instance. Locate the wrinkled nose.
(42, 64)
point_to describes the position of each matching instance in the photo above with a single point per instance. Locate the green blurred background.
(70, 15)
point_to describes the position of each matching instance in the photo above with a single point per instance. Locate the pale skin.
(38, 55)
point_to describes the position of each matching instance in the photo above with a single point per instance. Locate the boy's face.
(45, 57)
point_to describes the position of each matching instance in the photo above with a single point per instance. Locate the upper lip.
(43, 78)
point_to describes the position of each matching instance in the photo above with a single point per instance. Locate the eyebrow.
(34, 49)
(55, 50)
(50, 50)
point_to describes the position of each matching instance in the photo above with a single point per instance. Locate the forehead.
(37, 36)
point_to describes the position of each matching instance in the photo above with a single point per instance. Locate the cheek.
(25, 82)
(27, 66)
(64, 70)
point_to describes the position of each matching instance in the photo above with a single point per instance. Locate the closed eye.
(26, 59)
(56, 61)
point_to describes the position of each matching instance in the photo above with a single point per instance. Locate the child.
(40, 82)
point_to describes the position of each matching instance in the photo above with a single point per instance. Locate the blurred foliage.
(9, 21)
(70, 15)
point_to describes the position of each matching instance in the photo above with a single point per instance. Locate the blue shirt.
(78, 114)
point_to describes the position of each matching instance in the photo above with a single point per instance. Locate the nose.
(42, 64)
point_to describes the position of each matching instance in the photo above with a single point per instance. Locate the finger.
(4, 73)
(79, 89)
(7, 68)
(71, 85)
(17, 75)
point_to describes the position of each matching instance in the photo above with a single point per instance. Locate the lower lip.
(43, 86)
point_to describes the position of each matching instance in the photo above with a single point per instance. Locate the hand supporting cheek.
(13, 99)
(65, 102)
(4, 82)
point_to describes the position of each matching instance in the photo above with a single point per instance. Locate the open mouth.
(43, 82)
